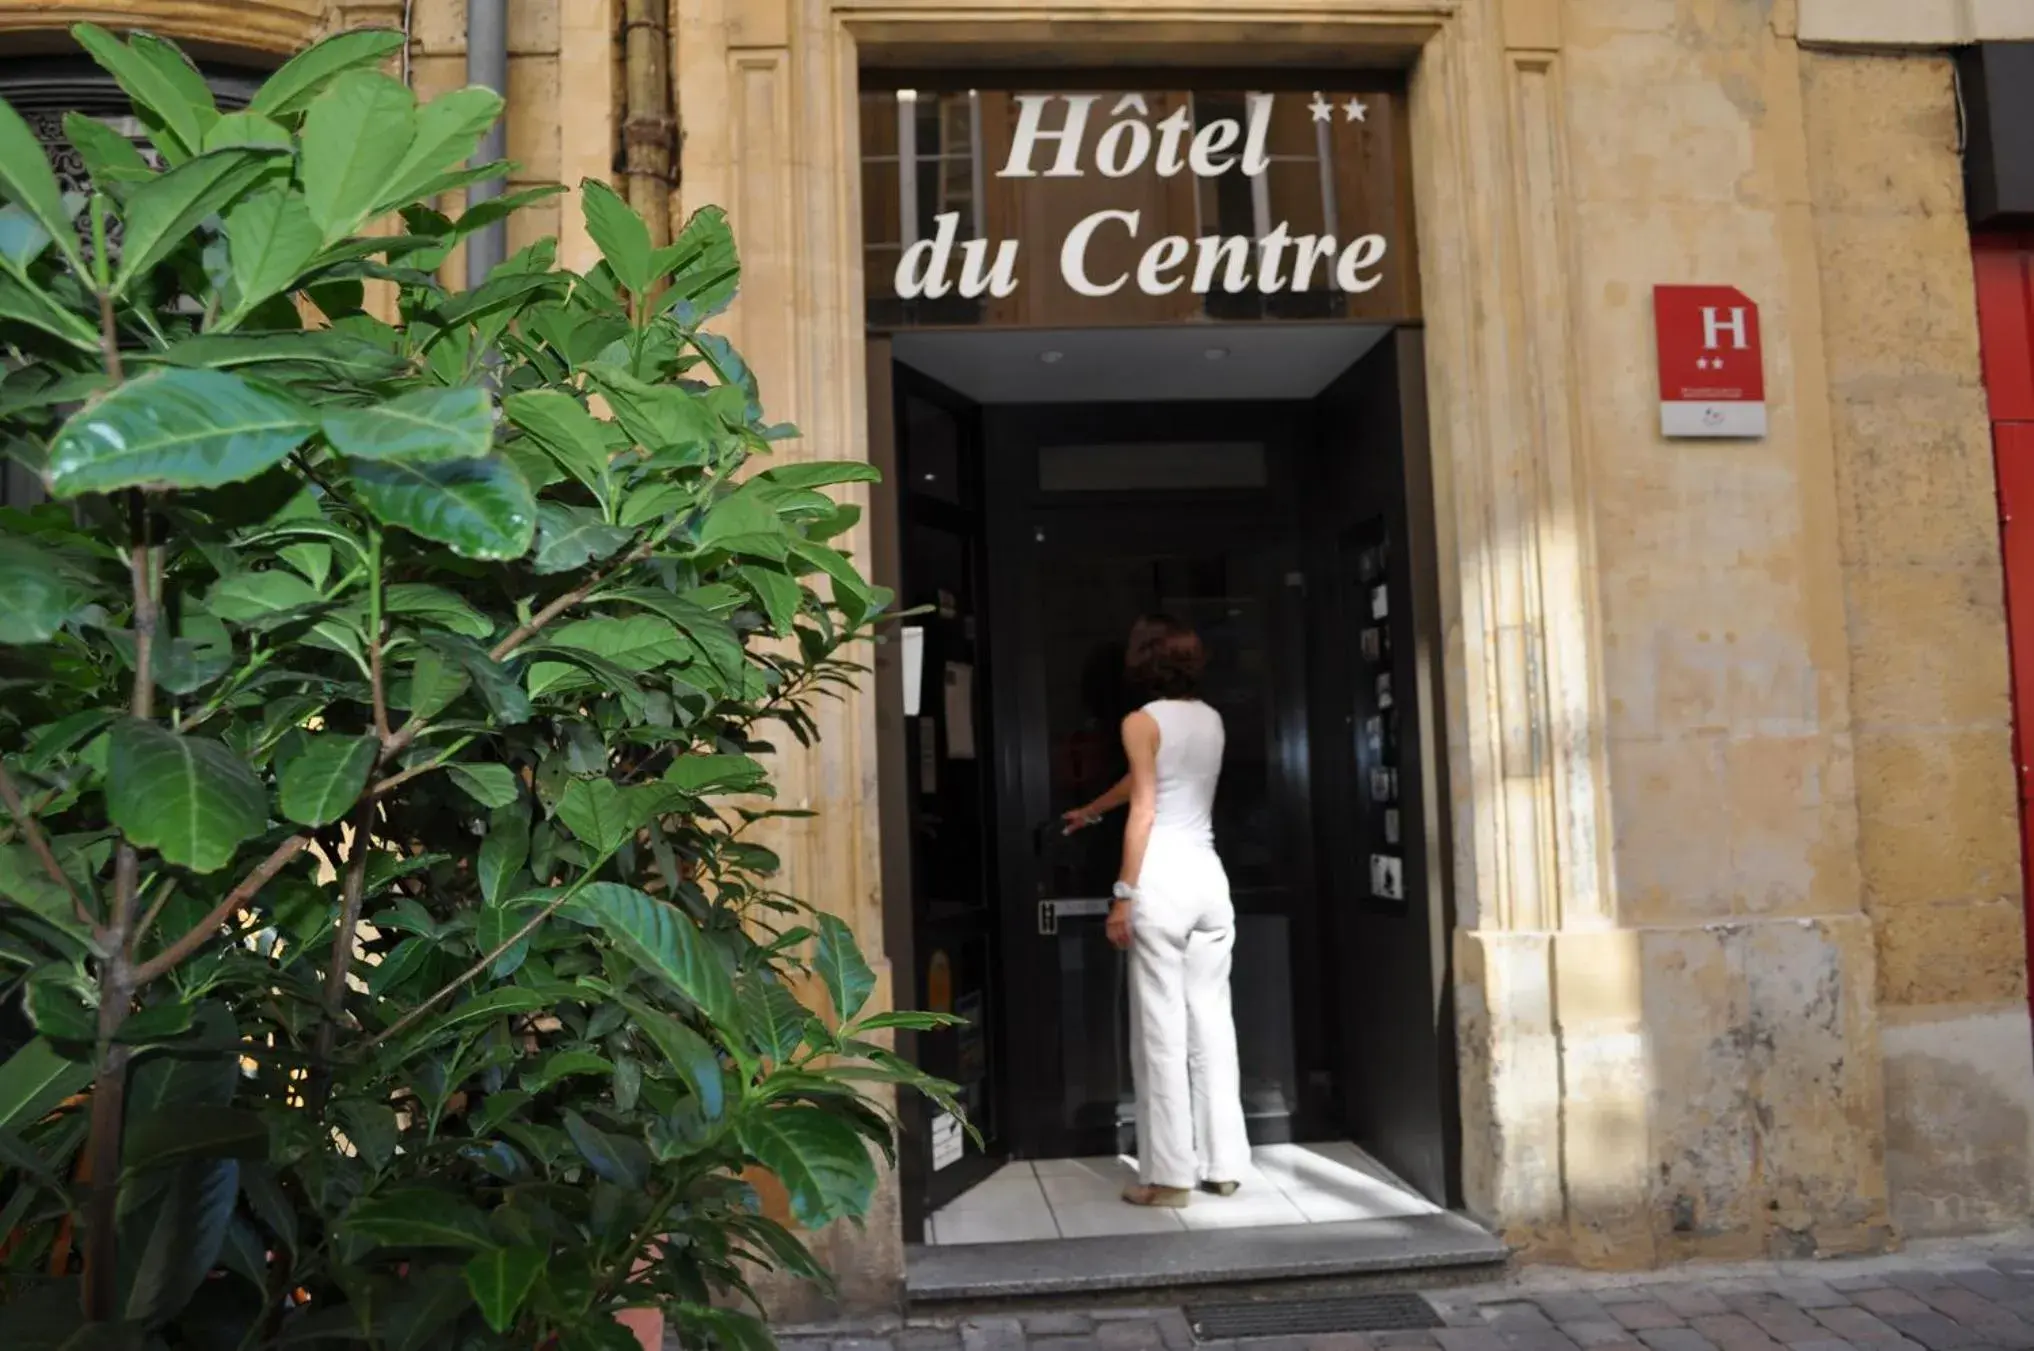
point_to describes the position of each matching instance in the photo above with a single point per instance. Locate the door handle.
(1050, 913)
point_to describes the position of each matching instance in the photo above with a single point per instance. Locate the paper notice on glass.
(914, 668)
(960, 711)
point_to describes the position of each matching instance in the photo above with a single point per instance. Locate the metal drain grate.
(1302, 1317)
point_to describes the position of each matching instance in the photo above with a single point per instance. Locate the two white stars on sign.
(1708, 363)
(1355, 110)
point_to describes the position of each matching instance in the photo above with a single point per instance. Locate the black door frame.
(969, 633)
(1012, 508)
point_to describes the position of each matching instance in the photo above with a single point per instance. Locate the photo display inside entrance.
(1377, 739)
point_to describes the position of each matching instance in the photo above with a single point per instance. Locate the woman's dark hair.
(1164, 658)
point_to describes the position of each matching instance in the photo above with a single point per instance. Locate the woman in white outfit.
(1173, 914)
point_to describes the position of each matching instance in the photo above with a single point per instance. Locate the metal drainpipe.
(487, 66)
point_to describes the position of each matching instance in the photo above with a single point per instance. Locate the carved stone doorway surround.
(768, 103)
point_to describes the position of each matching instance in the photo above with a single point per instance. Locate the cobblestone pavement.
(1944, 1298)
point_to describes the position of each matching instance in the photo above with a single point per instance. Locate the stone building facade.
(1734, 947)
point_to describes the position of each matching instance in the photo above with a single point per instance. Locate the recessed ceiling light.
(1049, 357)
(1215, 353)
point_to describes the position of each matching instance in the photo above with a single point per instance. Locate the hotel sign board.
(1712, 362)
(1032, 207)
(1056, 137)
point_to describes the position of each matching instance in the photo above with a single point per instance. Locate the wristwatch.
(1124, 892)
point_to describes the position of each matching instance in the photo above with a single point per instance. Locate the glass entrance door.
(1084, 569)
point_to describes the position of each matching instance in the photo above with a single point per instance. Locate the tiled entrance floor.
(1082, 1198)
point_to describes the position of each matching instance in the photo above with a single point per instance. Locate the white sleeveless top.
(1190, 741)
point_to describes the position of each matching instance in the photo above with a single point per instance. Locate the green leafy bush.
(381, 702)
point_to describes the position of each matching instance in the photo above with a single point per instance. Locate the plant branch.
(409, 1019)
(116, 968)
(523, 633)
(39, 842)
(374, 623)
(397, 780)
(155, 908)
(263, 873)
(352, 892)
(559, 606)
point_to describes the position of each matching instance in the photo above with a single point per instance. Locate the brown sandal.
(1221, 1188)
(1172, 1198)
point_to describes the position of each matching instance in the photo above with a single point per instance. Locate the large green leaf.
(701, 266)
(664, 940)
(739, 518)
(501, 1279)
(429, 1300)
(113, 161)
(713, 635)
(820, 473)
(38, 592)
(26, 883)
(623, 238)
(192, 800)
(200, 652)
(422, 426)
(175, 428)
(162, 212)
(192, 1131)
(634, 643)
(619, 1160)
(779, 595)
(27, 180)
(448, 131)
(503, 694)
(34, 1080)
(823, 1163)
(851, 591)
(246, 130)
(418, 1217)
(841, 965)
(169, 1247)
(699, 774)
(495, 929)
(479, 508)
(33, 306)
(356, 132)
(253, 597)
(602, 814)
(323, 781)
(437, 606)
(489, 785)
(690, 1054)
(654, 416)
(22, 240)
(570, 537)
(502, 853)
(182, 112)
(567, 432)
(271, 238)
(493, 1004)
(771, 1014)
(305, 75)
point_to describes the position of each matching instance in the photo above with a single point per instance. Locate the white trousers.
(1182, 1034)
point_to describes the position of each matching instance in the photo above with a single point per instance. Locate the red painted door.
(2005, 285)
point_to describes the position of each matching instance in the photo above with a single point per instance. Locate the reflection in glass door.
(1092, 574)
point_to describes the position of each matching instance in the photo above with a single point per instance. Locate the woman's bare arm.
(1100, 807)
(1140, 744)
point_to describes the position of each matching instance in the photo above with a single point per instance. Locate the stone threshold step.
(1417, 1249)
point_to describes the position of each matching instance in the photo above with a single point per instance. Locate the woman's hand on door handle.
(1119, 925)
